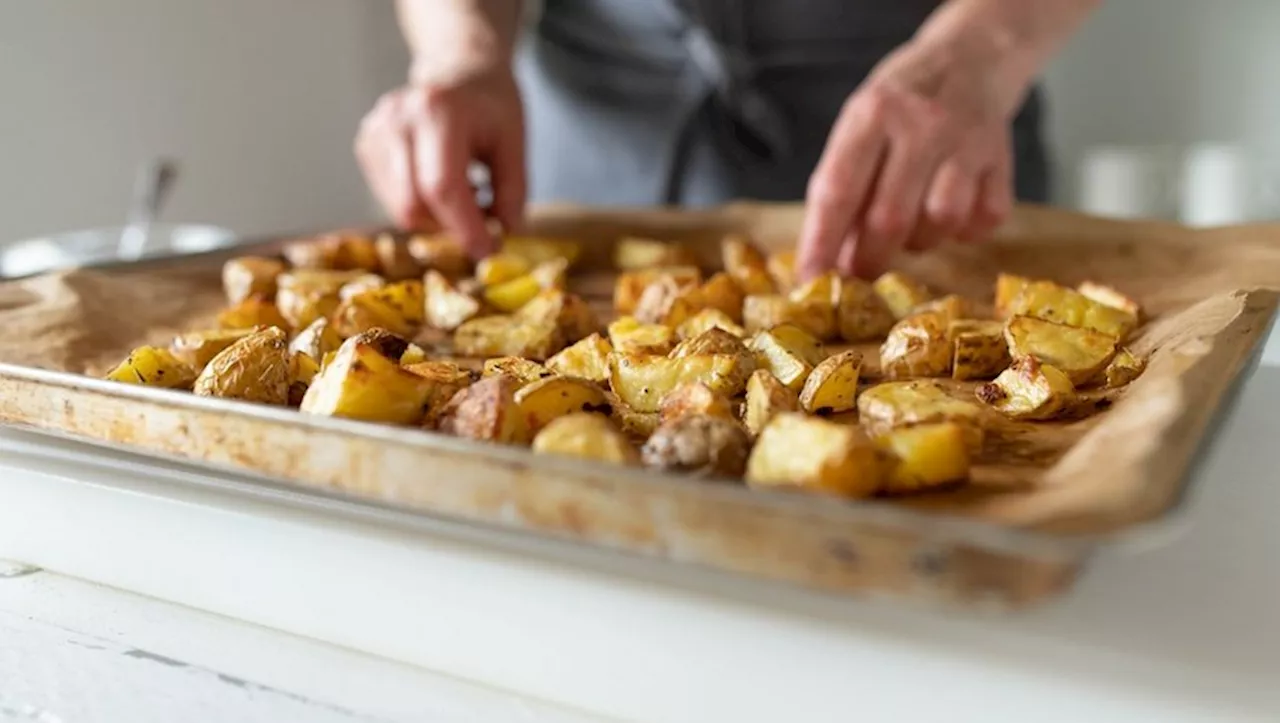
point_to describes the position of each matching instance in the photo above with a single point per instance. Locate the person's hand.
(919, 153)
(417, 143)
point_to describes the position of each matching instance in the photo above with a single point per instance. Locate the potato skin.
(254, 369)
(695, 398)
(248, 276)
(832, 386)
(587, 359)
(1079, 353)
(1028, 390)
(197, 348)
(487, 411)
(862, 314)
(253, 312)
(766, 397)
(699, 444)
(979, 349)
(631, 285)
(918, 346)
(901, 293)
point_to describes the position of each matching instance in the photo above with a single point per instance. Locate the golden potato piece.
(256, 368)
(708, 319)
(641, 381)
(700, 445)
(553, 274)
(305, 295)
(252, 312)
(523, 370)
(588, 436)
(721, 293)
(363, 382)
(535, 250)
(248, 276)
(634, 254)
(822, 289)
(1108, 296)
(586, 359)
(487, 411)
(832, 386)
(626, 334)
(901, 293)
(413, 354)
(316, 340)
(781, 266)
(1048, 301)
(197, 348)
(511, 295)
(445, 306)
(339, 251)
(500, 268)
(1078, 353)
(151, 366)
(395, 261)
(359, 285)
(797, 452)
(695, 398)
(1028, 390)
(668, 303)
(398, 307)
(1124, 368)
(302, 371)
(904, 404)
(1008, 287)
(925, 457)
(631, 285)
(571, 315)
(980, 349)
(745, 262)
(447, 379)
(952, 307)
(861, 314)
(632, 422)
(714, 341)
(546, 399)
(440, 254)
(766, 397)
(766, 312)
(788, 352)
(491, 336)
(917, 346)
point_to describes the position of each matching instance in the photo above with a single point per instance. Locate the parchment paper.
(1208, 294)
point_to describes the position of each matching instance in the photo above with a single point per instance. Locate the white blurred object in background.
(1128, 182)
(1223, 184)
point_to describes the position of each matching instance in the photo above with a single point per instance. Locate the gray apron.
(695, 102)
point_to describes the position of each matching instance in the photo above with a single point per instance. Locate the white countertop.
(1189, 631)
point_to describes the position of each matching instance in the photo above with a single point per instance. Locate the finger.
(951, 196)
(993, 201)
(507, 175)
(384, 151)
(897, 202)
(441, 157)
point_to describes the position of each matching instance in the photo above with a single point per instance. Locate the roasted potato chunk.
(708, 319)
(586, 359)
(781, 266)
(832, 386)
(788, 352)
(721, 293)
(151, 366)
(1078, 353)
(952, 307)
(809, 454)
(901, 293)
(1048, 301)
(588, 436)
(746, 264)
(535, 250)
(252, 312)
(359, 285)
(316, 340)
(487, 411)
(633, 254)
(765, 312)
(861, 314)
(641, 381)
(197, 348)
(398, 307)
(256, 368)
(917, 346)
(666, 302)
(695, 398)
(511, 295)
(553, 274)
(1108, 296)
(980, 349)
(1124, 368)
(631, 285)
(248, 276)
(447, 379)
(446, 307)
(546, 399)
(395, 261)
(634, 423)
(700, 445)
(766, 397)
(491, 336)
(305, 295)
(363, 381)
(523, 370)
(1008, 287)
(1028, 390)
(571, 315)
(925, 457)
(302, 371)
(715, 341)
(500, 268)
(626, 334)
(440, 254)
(904, 404)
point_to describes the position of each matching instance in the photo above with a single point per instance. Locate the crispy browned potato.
(392, 346)
(695, 398)
(626, 334)
(1078, 353)
(441, 254)
(746, 264)
(569, 312)
(491, 336)
(722, 293)
(901, 293)
(500, 268)
(1029, 390)
(668, 303)
(523, 370)
(586, 435)
(536, 250)
(252, 312)
(632, 422)
(788, 352)
(631, 285)
(1046, 300)
(1008, 286)
(714, 341)
(766, 397)
(547, 399)
(925, 457)
(445, 306)
(832, 386)
(1108, 296)
(316, 340)
(395, 261)
(917, 346)
(782, 268)
(861, 314)
(363, 382)
(397, 307)
(766, 312)
(305, 295)
(642, 381)
(708, 319)
(250, 276)
(197, 348)
(151, 366)
(809, 454)
(254, 369)
(904, 404)
(341, 251)
(586, 359)
(487, 411)
(700, 445)
(633, 254)
(980, 349)
(1124, 368)
(447, 379)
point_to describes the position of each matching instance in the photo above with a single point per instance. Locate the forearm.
(456, 37)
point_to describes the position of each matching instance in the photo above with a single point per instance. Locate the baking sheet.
(1206, 291)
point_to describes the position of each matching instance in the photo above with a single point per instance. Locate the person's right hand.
(417, 143)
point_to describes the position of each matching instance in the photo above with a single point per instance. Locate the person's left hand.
(919, 153)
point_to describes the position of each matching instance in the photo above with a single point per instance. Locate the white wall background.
(259, 99)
